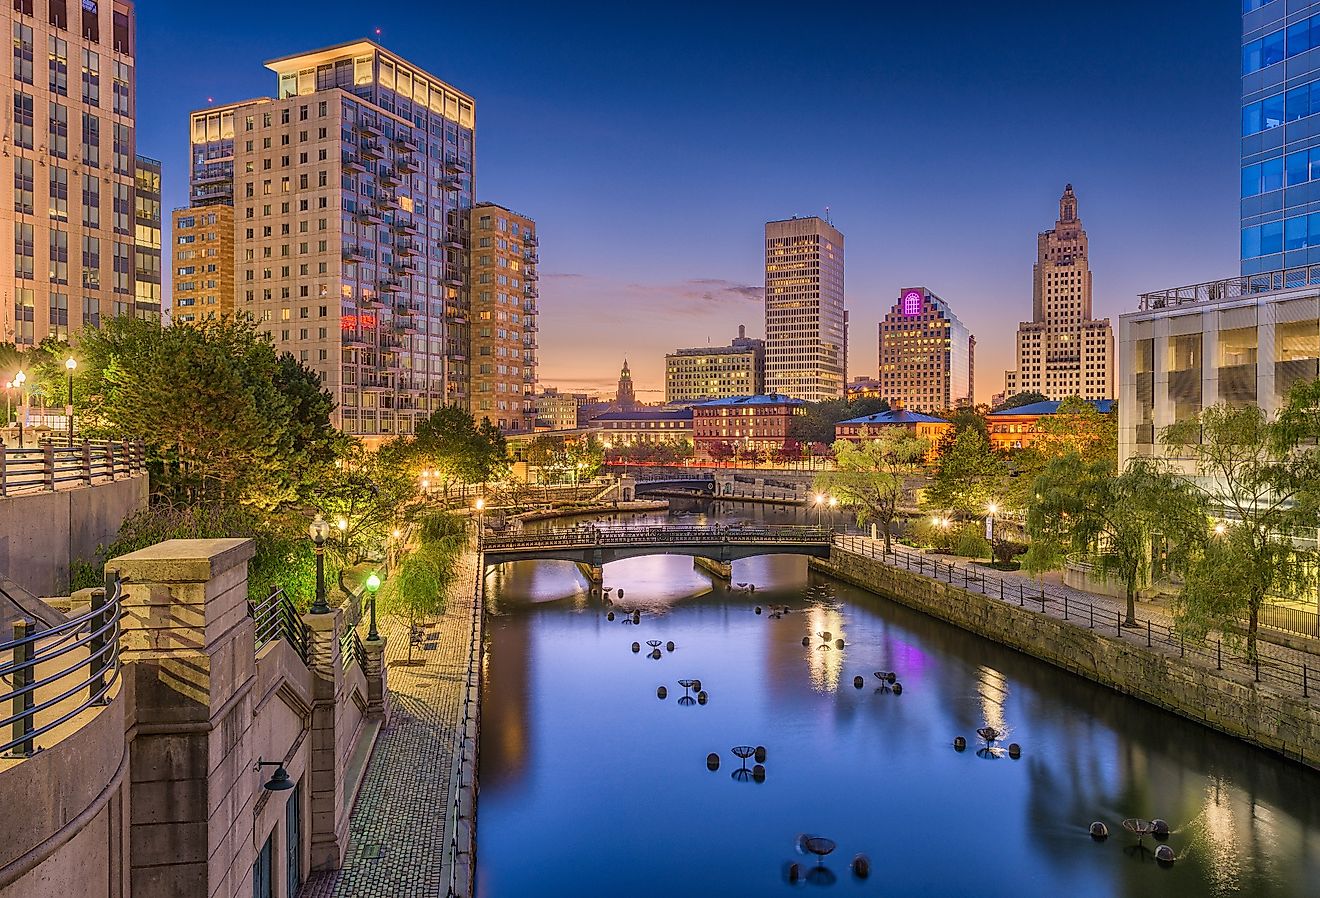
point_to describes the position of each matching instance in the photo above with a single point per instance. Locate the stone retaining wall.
(1289, 725)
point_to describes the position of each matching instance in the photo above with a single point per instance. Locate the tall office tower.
(804, 319)
(148, 218)
(716, 372)
(203, 251)
(351, 191)
(504, 302)
(1280, 158)
(69, 150)
(1063, 351)
(927, 355)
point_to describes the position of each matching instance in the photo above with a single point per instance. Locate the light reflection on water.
(590, 785)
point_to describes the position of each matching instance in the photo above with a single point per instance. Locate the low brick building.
(869, 427)
(759, 423)
(1018, 428)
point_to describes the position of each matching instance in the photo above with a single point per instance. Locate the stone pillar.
(595, 573)
(723, 483)
(329, 817)
(722, 570)
(188, 650)
(378, 692)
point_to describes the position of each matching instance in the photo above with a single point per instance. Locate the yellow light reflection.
(992, 688)
(825, 662)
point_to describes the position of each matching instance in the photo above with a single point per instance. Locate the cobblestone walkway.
(1282, 668)
(398, 828)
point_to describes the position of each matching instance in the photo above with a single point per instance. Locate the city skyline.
(627, 272)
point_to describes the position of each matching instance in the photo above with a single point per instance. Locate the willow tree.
(1082, 509)
(1259, 475)
(872, 477)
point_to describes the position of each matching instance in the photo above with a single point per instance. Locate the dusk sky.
(652, 141)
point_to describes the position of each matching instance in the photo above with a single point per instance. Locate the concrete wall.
(1251, 711)
(157, 793)
(41, 534)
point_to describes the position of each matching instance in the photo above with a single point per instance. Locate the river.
(590, 785)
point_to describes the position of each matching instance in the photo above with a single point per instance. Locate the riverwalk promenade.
(404, 835)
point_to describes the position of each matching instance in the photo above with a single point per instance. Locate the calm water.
(591, 786)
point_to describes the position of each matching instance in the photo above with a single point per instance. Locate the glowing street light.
(319, 531)
(373, 584)
(1220, 528)
(69, 364)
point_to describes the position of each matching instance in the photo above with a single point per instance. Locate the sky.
(652, 141)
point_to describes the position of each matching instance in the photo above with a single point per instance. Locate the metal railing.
(277, 618)
(1232, 288)
(351, 649)
(632, 536)
(462, 757)
(49, 467)
(1064, 604)
(55, 674)
(1287, 619)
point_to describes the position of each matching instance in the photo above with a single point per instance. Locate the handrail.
(1063, 603)
(32, 715)
(276, 618)
(615, 536)
(48, 466)
(471, 718)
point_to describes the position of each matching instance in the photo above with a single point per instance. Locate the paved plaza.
(399, 829)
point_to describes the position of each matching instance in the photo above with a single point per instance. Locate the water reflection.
(592, 786)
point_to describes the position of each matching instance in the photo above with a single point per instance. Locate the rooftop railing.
(1232, 288)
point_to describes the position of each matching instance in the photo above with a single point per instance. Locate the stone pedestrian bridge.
(714, 548)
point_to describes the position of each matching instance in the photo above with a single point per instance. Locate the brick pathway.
(399, 826)
(1280, 667)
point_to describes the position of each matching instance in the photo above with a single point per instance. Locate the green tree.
(969, 476)
(1258, 475)
(1017, 400)
(1077, 428)
(817, 424)
(371, 495)
(453, 448)
(204, 399)
(1111, 521)
(872, 477)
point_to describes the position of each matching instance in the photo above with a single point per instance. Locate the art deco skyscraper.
(805, 338)
(69, 150)
(1063, 351)
(927, 355)
(352, 191)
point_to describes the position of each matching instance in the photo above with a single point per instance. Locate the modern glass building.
(1280, 134)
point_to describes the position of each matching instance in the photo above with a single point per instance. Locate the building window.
(23, 53)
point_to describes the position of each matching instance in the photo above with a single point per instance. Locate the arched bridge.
(699, 483)
(593, 547)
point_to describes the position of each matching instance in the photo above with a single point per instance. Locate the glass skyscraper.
(1280, 134)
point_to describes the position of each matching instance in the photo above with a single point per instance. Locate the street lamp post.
(319, 530)
(373, 584)
(69, 364)
(19, 379)
(993, 509)
(480, 506)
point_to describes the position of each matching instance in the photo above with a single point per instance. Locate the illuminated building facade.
(504, 303)
(805, 323)
(76, 223)
(927, 355)
(1063, 351)
(203, 251)
(352, 191)
(715, 372)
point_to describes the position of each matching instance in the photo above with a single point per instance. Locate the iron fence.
(57, 673)
(277, 618)
(632, 536)
(1065, 605)
(49, 467)
(468, 736)
(1288, 619)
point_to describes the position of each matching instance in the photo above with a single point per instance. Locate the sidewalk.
(1283, 668)
(400, 826)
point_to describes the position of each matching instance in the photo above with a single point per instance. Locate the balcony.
(405, 143)
(451, 184)
(407, 165)
(454, 278)
(389, 178)
(406, 226)
(456, 166)
(531, 258)
(406, 247)
(408, 266)
(390, 284)
(211, 177)
(370, 149)
(367, 215)
(531, 291)
(354, 254)
(531, 239)
(353, 162)
(371, 129)
(383, 201)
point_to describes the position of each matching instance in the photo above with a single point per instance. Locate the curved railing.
(636, 536)
(277, 618)
(55, 674)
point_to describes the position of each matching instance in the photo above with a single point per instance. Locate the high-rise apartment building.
(805, 336)
(1062, 351)
(1280, 112)
(927, 356)
(69, 150)
(504, 302)
(716, 372)
(148, 221)
(203, 260)
(352, 191)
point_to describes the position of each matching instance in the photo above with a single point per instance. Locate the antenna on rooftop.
(827, 216)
